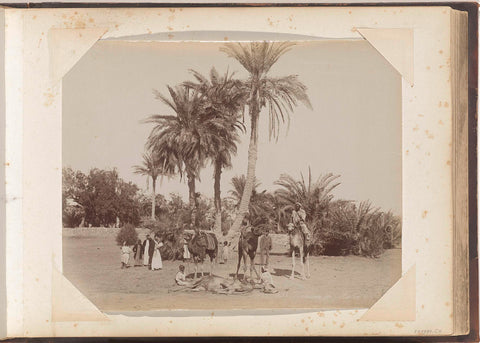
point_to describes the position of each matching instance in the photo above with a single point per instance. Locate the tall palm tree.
(279, 94)
(188, 138)
(178, 137)
(152, 168)
(224, 99)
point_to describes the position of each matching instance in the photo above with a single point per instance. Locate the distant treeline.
(339, 227)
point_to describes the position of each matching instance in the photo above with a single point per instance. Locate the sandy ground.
(91, 261)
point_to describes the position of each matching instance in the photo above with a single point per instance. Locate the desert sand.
(91, 261)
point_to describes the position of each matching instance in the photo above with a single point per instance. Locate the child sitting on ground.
(267, 281)
(180, 278)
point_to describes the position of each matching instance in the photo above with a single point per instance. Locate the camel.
(298, 242)
(198, 247)
(217, 285)
(247, 246)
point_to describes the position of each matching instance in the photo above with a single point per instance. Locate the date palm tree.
(314, 196)
(279, 94)
(224, 99)
(189, 138)
(151, 167)
(177, 139)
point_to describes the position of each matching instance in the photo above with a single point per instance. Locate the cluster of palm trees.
(273, 209)
(339, 227)
(206, 122)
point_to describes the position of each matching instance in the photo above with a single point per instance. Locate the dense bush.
(127, 234)
(360, 230)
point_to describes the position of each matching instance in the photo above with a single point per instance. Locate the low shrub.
(127, 234)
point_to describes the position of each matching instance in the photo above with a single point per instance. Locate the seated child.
(180, 278)
(268, 286)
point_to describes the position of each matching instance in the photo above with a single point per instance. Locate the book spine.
(459, 81)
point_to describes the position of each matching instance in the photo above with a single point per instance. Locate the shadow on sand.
(192, 275)
(240, 275)
(283, 272)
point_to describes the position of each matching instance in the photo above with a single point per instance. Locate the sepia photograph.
(232, 175)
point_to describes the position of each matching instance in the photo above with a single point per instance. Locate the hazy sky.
(354, 129)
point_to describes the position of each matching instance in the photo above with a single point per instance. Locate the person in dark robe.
(138, 253)
(149, 248)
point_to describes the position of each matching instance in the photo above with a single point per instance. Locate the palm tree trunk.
(191, 195)
(217, 196)
(154, 180)
(191, 190)
(254, 112)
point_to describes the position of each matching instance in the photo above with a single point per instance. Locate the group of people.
(144, 254)
(147, 253)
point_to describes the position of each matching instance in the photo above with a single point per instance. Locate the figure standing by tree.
(265, 247)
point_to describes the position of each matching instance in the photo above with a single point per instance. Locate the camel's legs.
(293, 264)
(252, 266)
(307, 260)
(245, 267)
(201, 268)
(303, 264)
(238, 265)
(213, 262)
(196, 270)
(243, 257)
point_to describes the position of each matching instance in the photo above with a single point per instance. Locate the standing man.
(145, 247)
(265, 247)
(298, 219)
(149, 246)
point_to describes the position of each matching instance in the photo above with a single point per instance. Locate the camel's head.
(257, 231)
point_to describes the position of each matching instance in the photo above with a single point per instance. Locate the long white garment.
(186, 252)
(157, 258)
(125, 254)
(145, 253)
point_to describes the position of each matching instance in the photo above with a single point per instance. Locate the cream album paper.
(350, 149)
